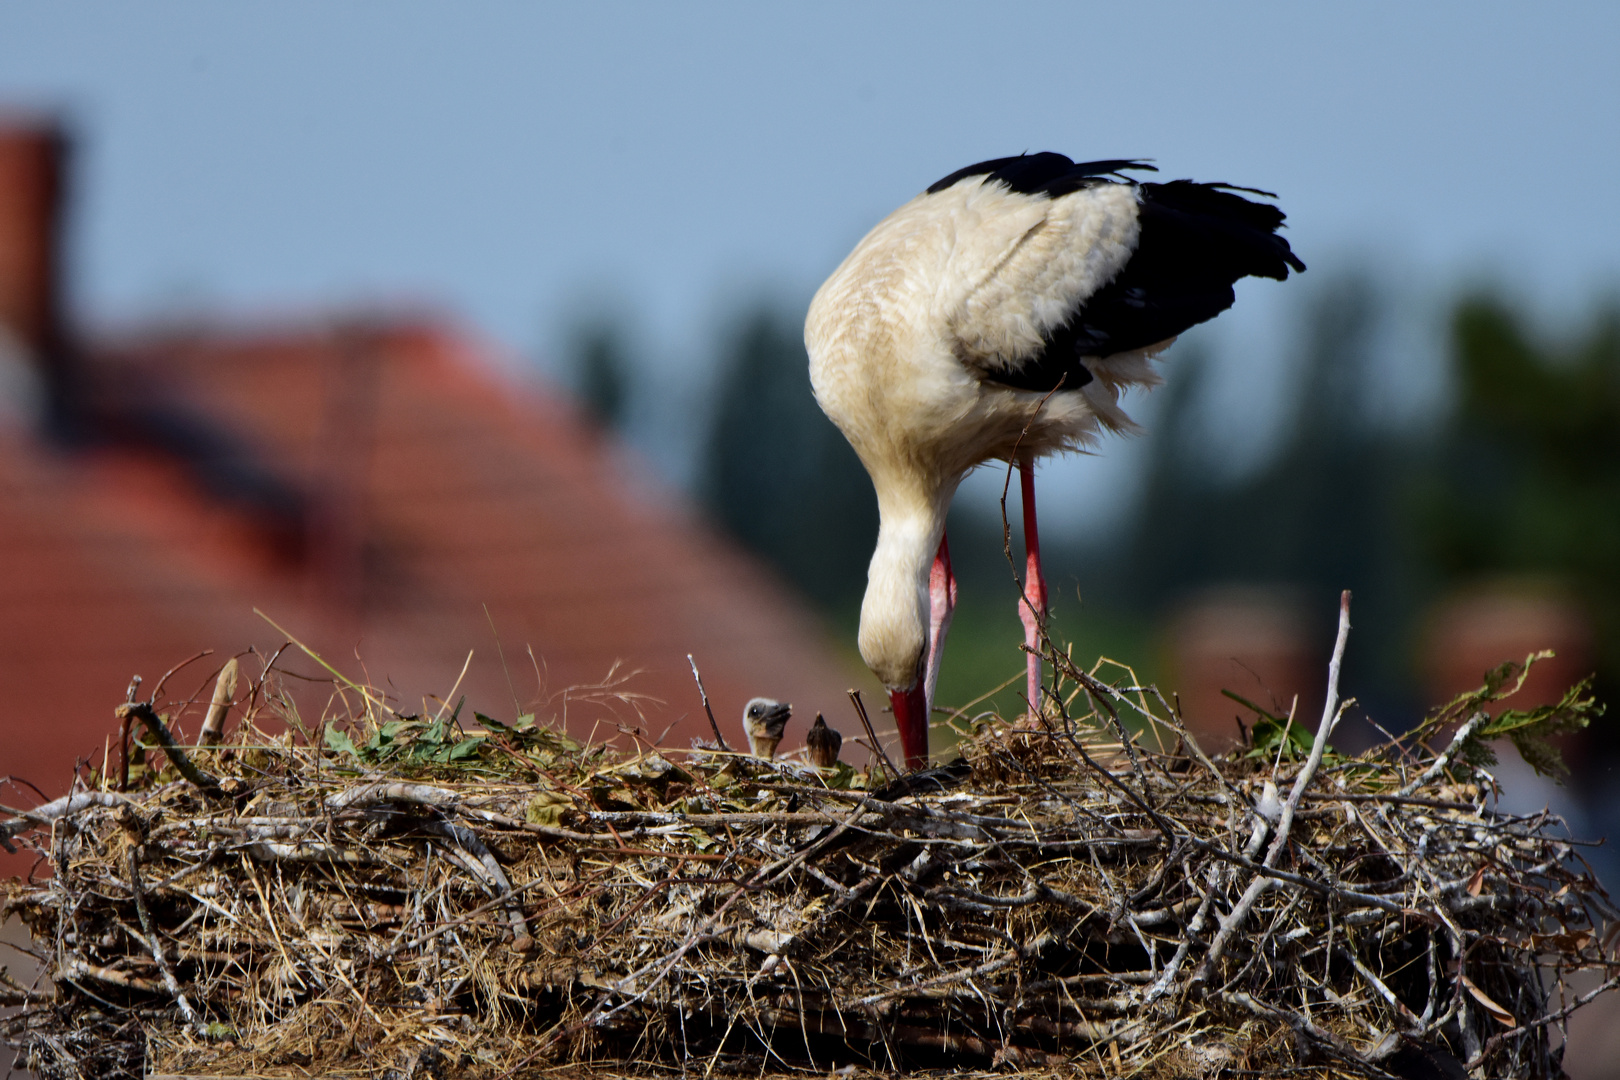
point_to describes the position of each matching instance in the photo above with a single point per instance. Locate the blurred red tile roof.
(443, 505)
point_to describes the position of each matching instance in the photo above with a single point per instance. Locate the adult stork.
(995, 317)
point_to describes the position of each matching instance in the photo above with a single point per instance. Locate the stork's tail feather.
(1103, 400)
(1127, 369)
(1236, 237)
(1112, 374)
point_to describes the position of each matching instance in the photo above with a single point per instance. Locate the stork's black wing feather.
(1196, 241)
(1048, 174)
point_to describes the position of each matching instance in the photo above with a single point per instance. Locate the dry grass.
(398, 896)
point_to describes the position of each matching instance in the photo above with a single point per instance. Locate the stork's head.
(893, 636)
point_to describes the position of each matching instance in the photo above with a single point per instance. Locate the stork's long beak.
(911, 717)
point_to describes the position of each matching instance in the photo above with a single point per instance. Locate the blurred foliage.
(1324, 512)
(777, 474)
(1527, 476)
(601, 372)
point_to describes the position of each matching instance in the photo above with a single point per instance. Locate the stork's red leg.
(912, 708)
(941, 603)
(1032, 605)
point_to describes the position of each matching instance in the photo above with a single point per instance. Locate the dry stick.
(1414, 1025)
(1142, 804)
(158, 689)
(224, 691)
(719, 739)
(481, 864)
(1330, 715)
(1097, 687)
(74, 968)
(1216, 879)
(1141, 801)
(155, 945)
(468, 917)
(959, 975)
(57, 808)
(1338, 892)
(871, 736)
(1326, 1039)
(365, 692)
(1495, 1041)
(1397, 800)
(1125, 739)
(123, 734)
(142, 711)
(258, 684)
(1464, 733)
(14, 993)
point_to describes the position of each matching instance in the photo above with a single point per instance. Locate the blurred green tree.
(601, 371)
(778, 474)
(1527, 479)
(1324, 512)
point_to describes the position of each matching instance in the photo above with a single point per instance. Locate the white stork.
(995, 317)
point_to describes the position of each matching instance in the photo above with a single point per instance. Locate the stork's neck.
(894, 613)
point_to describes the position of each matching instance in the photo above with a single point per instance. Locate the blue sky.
(515, 163)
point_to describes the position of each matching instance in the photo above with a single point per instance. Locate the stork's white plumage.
(996, 316)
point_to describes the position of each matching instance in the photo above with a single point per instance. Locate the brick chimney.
(33, 167)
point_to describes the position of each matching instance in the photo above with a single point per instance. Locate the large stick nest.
(393, 895)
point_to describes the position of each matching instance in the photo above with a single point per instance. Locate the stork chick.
(996, 317)
(823, 743)
(764, 719)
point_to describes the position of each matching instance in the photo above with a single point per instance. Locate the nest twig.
(1071, 897)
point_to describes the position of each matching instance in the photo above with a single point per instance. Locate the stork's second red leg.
(941, 604)
(1032, 605)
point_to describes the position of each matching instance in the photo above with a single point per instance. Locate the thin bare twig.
(1330, 716)
(143, 711)
(871, 736)
(719, 739)
(1438, 766)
